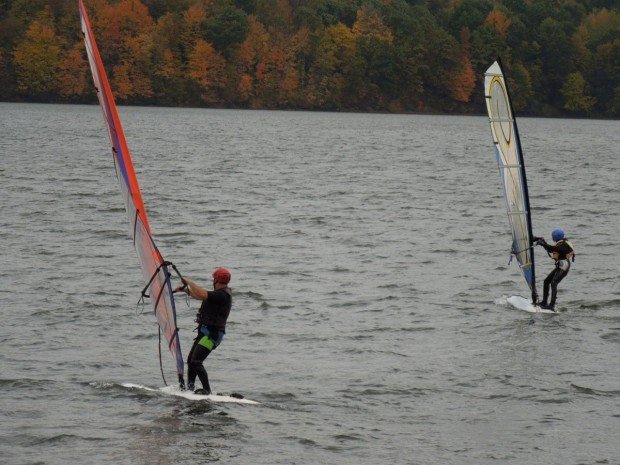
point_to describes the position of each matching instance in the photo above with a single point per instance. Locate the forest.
(562, 57)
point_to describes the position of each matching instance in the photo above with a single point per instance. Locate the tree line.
(562, 57)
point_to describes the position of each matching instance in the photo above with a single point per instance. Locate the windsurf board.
(522, 303)
(175, 391)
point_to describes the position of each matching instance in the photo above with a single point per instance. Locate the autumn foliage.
(561, 56)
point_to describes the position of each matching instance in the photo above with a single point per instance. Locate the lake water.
(370, 269)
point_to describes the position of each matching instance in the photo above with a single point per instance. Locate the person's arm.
(547, 247)
(541, 241)
(193, 290)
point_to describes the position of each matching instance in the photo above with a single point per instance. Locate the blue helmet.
(557, 234)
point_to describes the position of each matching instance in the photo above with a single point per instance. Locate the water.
(369, 257)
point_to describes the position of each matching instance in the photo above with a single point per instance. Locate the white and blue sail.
(511, 170)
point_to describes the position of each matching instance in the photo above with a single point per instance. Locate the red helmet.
(221, 275)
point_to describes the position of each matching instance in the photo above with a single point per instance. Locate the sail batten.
(154, 269)
(511, 169)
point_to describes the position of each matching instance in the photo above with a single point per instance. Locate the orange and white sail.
(154, 268)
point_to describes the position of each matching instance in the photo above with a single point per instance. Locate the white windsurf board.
(175, 391)
(522, 303)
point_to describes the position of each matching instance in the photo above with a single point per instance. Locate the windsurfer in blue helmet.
(562, 252)
(211, 319)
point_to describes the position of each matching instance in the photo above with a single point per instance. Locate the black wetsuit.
(211, 319)
(562, 267)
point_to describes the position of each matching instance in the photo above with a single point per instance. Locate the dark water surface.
(369, 257)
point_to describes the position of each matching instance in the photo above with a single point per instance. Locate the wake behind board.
(175, 391)
(522, 303)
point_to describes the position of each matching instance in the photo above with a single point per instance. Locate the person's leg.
(200, 351)
(559, 276)
(191, 372)
(546, 285)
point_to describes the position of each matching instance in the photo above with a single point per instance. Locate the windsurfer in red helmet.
(211, 319)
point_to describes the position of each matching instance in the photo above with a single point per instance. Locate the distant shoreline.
(361, 112)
